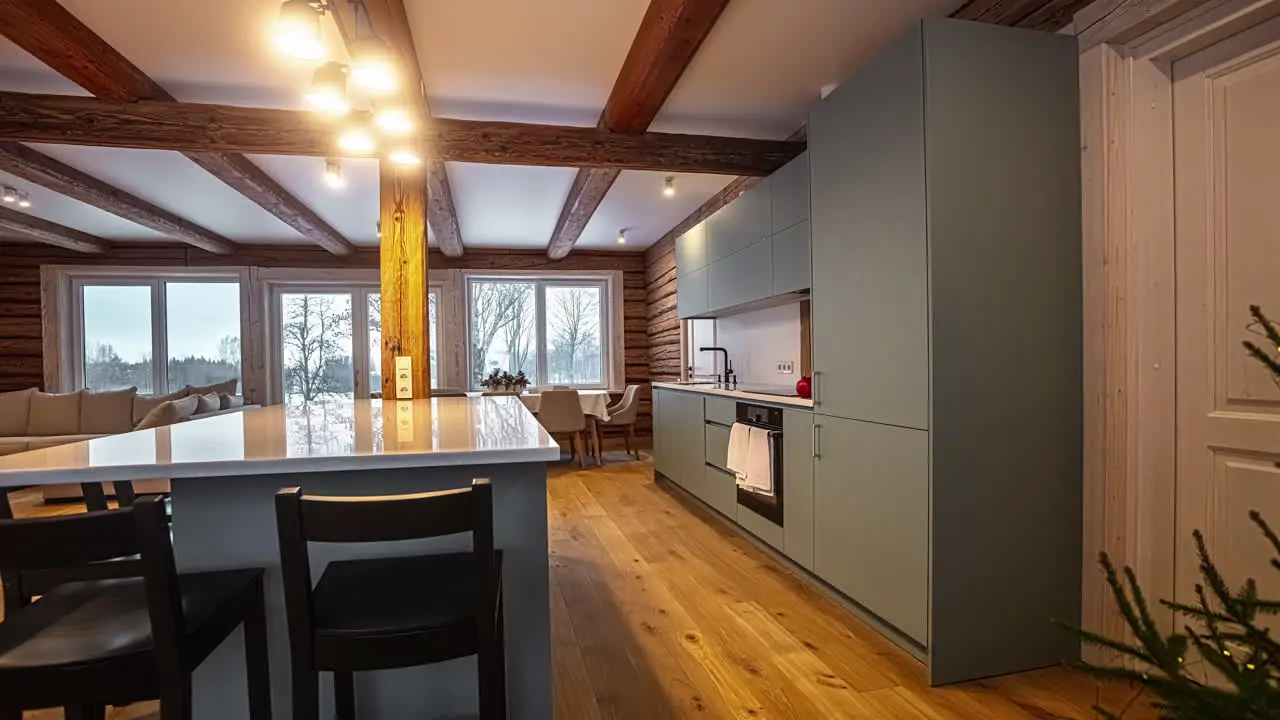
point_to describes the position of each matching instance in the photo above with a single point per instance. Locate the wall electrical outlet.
(786, 367)
(404, 378)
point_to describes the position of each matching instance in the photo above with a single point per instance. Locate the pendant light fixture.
(372, 67)
(393, 120)
(333, 174)
(328, 93)
(357, 136)
(297, 32)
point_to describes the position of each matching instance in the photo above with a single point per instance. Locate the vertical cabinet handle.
(814, 390)
(817, 437)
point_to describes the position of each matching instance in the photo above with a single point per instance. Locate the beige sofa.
(34, 420)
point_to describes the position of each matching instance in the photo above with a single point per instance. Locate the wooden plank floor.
(659, 611)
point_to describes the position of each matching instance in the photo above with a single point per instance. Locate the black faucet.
(729, 377)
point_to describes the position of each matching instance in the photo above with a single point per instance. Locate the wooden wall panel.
(662, 324)
(22, 362)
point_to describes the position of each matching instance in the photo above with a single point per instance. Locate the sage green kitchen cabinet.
(717, 445)
(663, 458)
(946, 329)
(740, 224)
(682, 449)
(870, 315)
(691, 294)
(789, 194)
(691, 250)
(871, 518)
(791, 261)
(720, 490)
(742, 277)
(797, 473)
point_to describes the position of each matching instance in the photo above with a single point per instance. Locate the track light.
(404, 156)
(669, 187)
(333, 174)
(10, 195)
(297, 32)
(328, 92)
(622, 236)
(393, 121)
(24, 200)
(372, 67)
(357, 137)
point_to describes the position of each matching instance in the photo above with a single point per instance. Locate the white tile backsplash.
(758, 340)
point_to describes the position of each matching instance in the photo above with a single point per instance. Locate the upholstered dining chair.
(560, 412)
(623, 416)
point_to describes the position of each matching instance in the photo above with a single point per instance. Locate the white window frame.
(63, 300)
(611, 317)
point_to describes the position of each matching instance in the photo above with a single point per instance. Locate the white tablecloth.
(594, 402)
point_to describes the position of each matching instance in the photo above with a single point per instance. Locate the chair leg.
(582, 449)
(493, 671)
(82, 712)
(257, 667)
(344, 695)
(306, 693)
(626, 439)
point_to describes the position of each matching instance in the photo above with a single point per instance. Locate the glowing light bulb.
(372, 67)
(328, 93)
(405, 157)
(333, 174)
(10, 195)
(24, 200)
(358, 137)
(669, 187)
(394, 121)
(297, 32)
(622, 236)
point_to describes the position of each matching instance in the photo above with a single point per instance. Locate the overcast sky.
(200, 315)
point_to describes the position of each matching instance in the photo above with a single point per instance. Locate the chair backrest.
(561, 387)
(561, 411)
(301, 519)
(626, 410)
(448, 392)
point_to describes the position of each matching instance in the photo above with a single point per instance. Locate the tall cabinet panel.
(870, 273)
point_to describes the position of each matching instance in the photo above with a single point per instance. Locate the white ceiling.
(549, 61)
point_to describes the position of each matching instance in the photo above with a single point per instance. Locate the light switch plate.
(404, 377)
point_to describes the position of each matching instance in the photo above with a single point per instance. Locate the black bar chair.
(391, 612)
(86, 645)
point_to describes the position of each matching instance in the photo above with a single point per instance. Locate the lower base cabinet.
(679, 446)
(797, 473)
(720, 491)
(871, 518)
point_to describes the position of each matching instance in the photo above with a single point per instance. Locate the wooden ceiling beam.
(58, 39)
(50, 233)
(202, 128)
(40, 169)
(389, 21)
(668, 38)
(1049, 15)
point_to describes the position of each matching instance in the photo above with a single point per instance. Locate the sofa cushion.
(15, 409)
(144, 404)
(11, 446)
(105, 413)
(207, 403)
(169, 412)
(226, 386)
(228, 402)
(54, 413)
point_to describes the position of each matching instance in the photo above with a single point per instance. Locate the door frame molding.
(1127, 50)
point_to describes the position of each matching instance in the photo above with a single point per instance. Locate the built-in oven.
(769, 419)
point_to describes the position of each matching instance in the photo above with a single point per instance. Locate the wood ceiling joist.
(388, 20)
(58, 39)
(201, 128)
(665, 43)
(1050, 15)
(40, 169)
(50, 233)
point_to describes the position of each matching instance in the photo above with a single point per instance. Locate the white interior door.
(1227, 178)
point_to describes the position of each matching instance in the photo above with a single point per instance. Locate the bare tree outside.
(375, 339)
(495, 306)
(573, 334)
(316, 335)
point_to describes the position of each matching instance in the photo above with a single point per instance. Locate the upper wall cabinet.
(691, 250)
(789, 193)
(740, 224)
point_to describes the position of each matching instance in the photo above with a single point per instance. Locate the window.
(317, 361)
(552, 329)
(156, 334)
(375, 337)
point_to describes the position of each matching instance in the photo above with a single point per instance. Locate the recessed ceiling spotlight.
(328, 93)
(333, 174)
(372, 67)
(24, 200)
(297, 32)
(669, 187)
(622, 236)
(378, 226)
(10, 195)
(393, 120)
(358, 138)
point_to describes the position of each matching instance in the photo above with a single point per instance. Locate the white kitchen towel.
(760, 462)
(739, 441)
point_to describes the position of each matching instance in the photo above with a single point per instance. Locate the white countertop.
(321, 437)
(737, 394)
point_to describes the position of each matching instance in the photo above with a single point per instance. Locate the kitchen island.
(224, 472)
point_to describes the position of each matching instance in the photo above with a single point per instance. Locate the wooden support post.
(403, 201)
